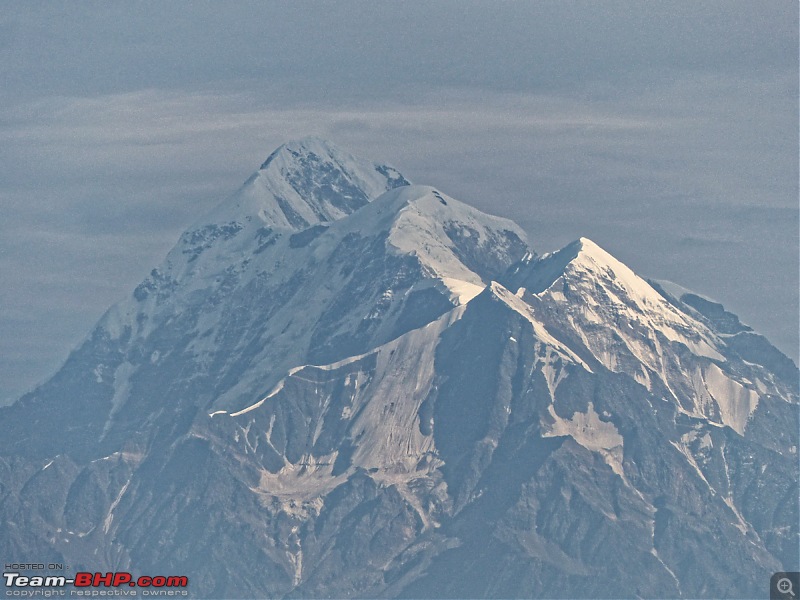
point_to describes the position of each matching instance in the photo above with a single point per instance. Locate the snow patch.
(642, 376)
(110, 516)
(122, 375)
(274, 391)
(590, 432)
(553, 375)
(462, 291)
(736, 403)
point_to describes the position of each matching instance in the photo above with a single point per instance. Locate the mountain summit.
(339, 384)
(304, 183)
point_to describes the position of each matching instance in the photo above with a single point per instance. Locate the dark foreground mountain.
(338, 384)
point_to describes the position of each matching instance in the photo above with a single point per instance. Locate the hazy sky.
(667, 132)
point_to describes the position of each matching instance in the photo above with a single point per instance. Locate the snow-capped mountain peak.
(610, 294)
(583, 257)
(332, 387)
(592, 259)
(304, 183)
(589, 299)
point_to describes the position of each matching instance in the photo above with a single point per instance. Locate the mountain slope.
(404, 401)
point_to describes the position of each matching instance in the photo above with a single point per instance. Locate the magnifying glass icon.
(784, 586)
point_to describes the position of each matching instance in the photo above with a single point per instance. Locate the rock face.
(338, 384)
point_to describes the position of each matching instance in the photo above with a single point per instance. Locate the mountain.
(339, 384)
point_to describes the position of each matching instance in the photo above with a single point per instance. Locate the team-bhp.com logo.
(89, 584)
